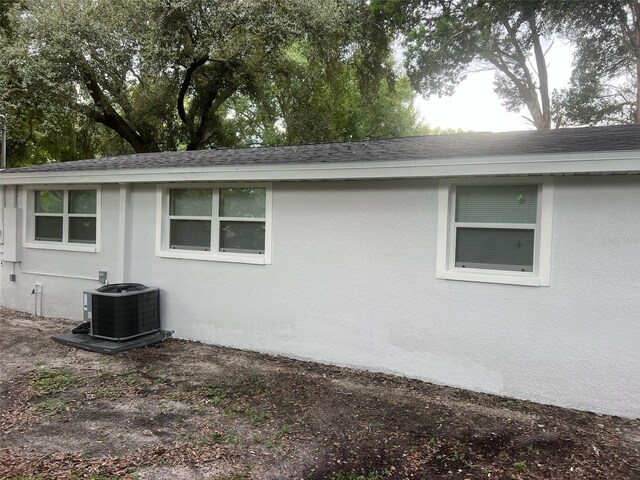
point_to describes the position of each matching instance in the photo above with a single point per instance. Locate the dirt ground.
(184, 410)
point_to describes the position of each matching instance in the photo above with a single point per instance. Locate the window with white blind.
(493, 231)
(209, 222)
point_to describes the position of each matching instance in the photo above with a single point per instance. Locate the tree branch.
(107, 115)
(13, 90)
(530, 98)
(184, 87)
(215, 99)
(521, 58)
(528, 87)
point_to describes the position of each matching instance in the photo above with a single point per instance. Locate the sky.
(474, 106)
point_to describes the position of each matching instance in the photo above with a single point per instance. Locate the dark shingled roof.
(570, 140)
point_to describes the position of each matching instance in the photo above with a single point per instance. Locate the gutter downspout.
(124, 227)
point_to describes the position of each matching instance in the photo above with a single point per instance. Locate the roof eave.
(540, 164)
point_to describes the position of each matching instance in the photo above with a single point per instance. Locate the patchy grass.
(109, 392)
(254, 385)
(520, 466)
(218, 396)
(187, 410)
(48, 381)
(214, 437)
(52, 406)
(258, 418)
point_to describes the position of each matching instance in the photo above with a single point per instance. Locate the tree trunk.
(107, 115)
(543, 77)
(539, 107)
(211, 104)
(526, 88)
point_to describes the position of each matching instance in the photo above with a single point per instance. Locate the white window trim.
(162, 227)
(445, 261)
(29, 240)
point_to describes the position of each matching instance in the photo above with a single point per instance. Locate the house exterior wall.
(60, 297)
(352, 282)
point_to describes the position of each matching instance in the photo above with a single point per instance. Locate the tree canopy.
(605, 84)
(447, 39)
(85, 78)
(81, 78)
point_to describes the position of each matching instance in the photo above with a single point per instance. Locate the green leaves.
(83, 79)
(604, 85)
(451, 38)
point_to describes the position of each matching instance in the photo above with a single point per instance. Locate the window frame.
(65, 245)
(446, 240)
(163, 225)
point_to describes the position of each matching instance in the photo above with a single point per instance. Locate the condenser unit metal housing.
(122, 311)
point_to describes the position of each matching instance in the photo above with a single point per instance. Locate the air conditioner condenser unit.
(122, 311)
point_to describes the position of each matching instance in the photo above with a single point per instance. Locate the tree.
(447, 39)
(149, 75)
(157, 83)
(313, 100)
(5, 22)
(41, 125)
(605, 84)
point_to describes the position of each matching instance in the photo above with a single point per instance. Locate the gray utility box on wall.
(122, 311)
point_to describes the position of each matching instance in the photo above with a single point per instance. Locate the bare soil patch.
(184, 410)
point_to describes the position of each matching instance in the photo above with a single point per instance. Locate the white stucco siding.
(594, 300)
(62, 297)
(352, 282)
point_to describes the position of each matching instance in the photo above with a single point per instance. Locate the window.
(493, 231)
(227, 223)
(63, 218)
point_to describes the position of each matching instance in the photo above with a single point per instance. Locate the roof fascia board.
(600, 162)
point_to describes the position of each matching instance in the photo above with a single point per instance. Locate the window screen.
(496, 249)
(242, 237)
(242, 202)
(48, 229)
(231, 220)
(239, 210)
(501, 241)
(82, 230)
(65, 216)
(497, 204)
(190, 235)
(195, 202)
